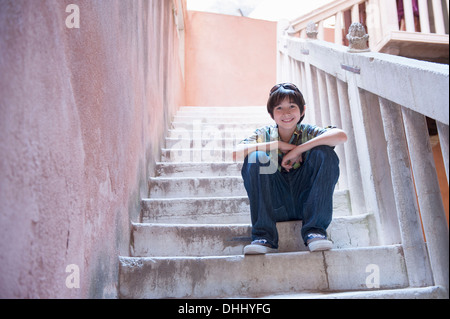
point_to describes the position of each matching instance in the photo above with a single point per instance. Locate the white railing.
(424, 18)
(382, 102)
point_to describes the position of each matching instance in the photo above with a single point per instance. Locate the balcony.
(419, 30)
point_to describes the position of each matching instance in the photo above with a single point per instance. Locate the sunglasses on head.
(287, 86)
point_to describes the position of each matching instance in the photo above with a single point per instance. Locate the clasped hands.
(292, 154)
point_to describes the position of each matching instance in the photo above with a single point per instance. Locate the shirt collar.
(297, 132)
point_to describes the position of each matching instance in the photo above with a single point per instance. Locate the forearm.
(242, 150)
(331, 138)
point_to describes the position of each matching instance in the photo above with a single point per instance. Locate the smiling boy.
(302, 186)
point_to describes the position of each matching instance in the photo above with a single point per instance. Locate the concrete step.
(216, 210)
(188, 155)
(229, 239)
(222, 110)
(197, 169)
(189, 187)
(227, 276)
(199, 134)
(207, 210)
(227, 118)
(432, 292)
(172, 187)
(199, 142)
(233, 126)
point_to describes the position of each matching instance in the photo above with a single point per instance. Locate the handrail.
(395, 78)
(381, 101)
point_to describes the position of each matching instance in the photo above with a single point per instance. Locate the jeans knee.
(253, 162)
(324, 153)
(259, 158)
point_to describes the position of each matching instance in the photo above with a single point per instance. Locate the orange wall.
(229, 60)
(442, 177)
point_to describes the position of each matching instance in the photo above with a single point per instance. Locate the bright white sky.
(272, 10)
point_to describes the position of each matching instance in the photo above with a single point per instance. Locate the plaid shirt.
(302, 134)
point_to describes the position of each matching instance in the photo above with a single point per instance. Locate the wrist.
(273, 145)
(298, 149)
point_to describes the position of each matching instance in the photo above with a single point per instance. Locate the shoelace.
(314, 235)
(259, 241)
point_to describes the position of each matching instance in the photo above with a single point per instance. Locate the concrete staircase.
(196, 221)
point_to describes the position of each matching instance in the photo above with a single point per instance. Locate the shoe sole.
(258, 250)
(320, 245)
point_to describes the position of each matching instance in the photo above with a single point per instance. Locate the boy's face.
(287, 115)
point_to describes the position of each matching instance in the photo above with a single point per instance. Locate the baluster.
(438, 17)
(424, 18)
(355, 13)
(309, 113)
(323, 98)
(389, 16)
(312, 104)
(380, 172)
(335, 116)
(321, 34)
(373, 22)
(409, 15)
(364, 159)
(303, 34)
(416, 258)
(428, 195)
(351, 156)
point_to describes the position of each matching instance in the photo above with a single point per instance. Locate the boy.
(301, 186)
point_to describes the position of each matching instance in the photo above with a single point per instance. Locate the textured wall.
(82, 116)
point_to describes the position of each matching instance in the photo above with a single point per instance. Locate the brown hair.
(282, 91)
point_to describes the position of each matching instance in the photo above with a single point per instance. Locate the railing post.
(367, 122)
(373, 21)
(311, 80)
(388, 15)
(313, 97)
(362, 147)
(438, 17)
(355, 13)
(423, 16)
(409, 15)
(443, 139)
(416, 257)
(323, 98)
(338, 28)
(351, 156)
(307, 91)
(380, 175)
(321, 30)
(335, 119)
(428, 195)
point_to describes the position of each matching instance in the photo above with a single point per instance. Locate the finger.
(287, 166)
(285, 163)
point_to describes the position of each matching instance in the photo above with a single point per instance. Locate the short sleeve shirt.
(302, 134)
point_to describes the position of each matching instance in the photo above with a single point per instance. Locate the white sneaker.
(259, 246)
(318, 242)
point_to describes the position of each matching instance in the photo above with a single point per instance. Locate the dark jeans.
(303, 194)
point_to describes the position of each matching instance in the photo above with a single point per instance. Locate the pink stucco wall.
(82, 116)
(229, 60)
